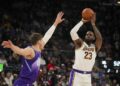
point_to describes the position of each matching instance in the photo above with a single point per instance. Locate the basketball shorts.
(79, 78)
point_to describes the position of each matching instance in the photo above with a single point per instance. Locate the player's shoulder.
(82, 46)
(84, 43)
(29, 48)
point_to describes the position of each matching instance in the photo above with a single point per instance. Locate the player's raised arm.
(50, 32)
(98, 36)
(76, 39)
(26, 52)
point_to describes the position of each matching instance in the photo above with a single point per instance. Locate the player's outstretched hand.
(7, 44)
(59, 18)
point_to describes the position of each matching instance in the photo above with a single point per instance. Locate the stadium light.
(118, 1)
(108, 70)
(116, 63)
(117, 71)
(105, 66)
(104, 62)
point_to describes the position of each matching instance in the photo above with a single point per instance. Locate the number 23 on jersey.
(88, 55)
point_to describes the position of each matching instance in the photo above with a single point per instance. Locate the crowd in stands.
(19, 19)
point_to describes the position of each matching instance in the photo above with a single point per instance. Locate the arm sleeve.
(48, 34)
(74, 31)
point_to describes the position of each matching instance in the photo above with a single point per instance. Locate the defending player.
(31, 54)
(85, 54)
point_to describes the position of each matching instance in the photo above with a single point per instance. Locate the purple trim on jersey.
(82, 72)
(28, 65)
(71, 78)
(29, 71)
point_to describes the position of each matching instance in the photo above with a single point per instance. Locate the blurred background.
(19, 18)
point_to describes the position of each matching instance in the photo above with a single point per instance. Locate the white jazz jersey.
(85, 57)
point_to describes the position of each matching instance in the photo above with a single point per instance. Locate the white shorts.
(78, 79)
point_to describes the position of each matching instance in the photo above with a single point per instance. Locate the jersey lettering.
(88, 55)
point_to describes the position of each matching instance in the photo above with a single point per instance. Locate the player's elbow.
(71, 33)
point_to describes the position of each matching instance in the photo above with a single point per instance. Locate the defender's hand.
(59, 18)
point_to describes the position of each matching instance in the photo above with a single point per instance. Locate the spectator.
(51, 65)
(2, 81)
(9, 79)
(3, 60)
(102, 53)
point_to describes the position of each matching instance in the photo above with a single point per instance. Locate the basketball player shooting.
(31, 54)
(85, 53)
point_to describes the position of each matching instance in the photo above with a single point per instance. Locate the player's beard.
(89, 41)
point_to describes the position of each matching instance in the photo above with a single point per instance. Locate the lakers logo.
(88, 49)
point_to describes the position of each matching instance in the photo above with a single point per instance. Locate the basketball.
(87, 13)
